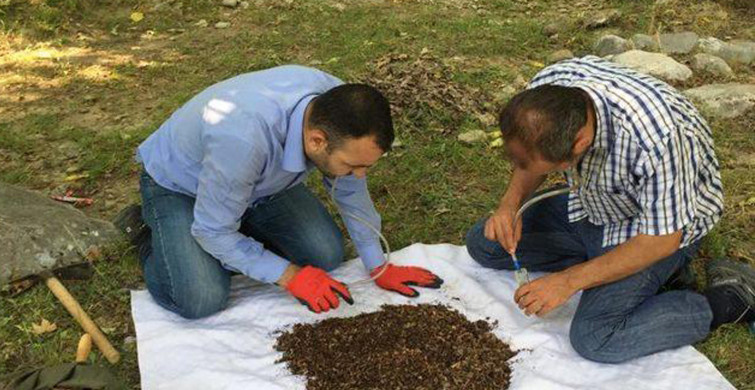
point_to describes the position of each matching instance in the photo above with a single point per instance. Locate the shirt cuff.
(270, 267)
(371, 254)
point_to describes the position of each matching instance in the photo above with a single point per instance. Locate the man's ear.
(581, 142)
(317, 140)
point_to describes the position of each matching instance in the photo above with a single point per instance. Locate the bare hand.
(500, 227)
(543, 295)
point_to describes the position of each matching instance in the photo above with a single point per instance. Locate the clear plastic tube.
(521, 274)
(374, 229)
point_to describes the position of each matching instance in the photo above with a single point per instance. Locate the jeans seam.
(162, 250)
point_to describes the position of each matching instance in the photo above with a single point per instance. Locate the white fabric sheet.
(234, 349)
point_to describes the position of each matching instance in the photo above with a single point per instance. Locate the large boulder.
(38, 234)
(724, 100)
(644, 42)
(654, 64)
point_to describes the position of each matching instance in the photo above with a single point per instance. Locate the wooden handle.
(73, 307)
(85, 346)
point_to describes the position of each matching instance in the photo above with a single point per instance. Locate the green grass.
(430, 190)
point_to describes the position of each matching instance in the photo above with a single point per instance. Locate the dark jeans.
(185, 279)
(614, 322)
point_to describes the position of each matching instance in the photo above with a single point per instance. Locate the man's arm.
(500, 226)
(352, 197)
(551, 291)
(230, 166)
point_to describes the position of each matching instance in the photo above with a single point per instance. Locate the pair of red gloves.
(315, 289)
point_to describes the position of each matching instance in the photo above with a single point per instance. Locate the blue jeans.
(185, 279)
(614, 322)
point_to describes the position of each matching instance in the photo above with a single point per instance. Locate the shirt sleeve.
(666, 195)
(231, 165)
(352, 197)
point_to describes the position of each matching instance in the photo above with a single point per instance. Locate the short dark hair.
(546, 119)
(353, 111)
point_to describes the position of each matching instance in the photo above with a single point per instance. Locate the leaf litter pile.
(415, 83)
(399, 347)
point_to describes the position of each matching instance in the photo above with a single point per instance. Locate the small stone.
(552, 29)
(129, 340)
(244, 4)
(90, 98)
(678, 43)
(201, 23)
(654, 64)
(397, 143)
(519, 82)
(473, 137)
(711, 64)
(724, 100)
(230, 3)
(710, 45)
(602, 19)
(221, 25)
(611, 44)
(560, 55)
(645, 42)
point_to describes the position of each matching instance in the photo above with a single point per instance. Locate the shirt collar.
(603, 123)
(294, 159)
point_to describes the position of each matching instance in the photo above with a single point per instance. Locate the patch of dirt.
(413, 84)
(398, 347)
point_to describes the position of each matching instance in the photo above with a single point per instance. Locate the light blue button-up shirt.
(240, 141)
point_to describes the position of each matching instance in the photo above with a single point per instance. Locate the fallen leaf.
(43, 327)
(137, 17)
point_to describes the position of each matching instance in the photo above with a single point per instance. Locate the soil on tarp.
(398, 347)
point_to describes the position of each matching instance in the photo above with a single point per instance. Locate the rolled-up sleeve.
(352, 197)
(230, 167)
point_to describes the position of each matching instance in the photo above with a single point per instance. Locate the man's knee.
(202, 302)
(587, 344)
(485, 252)
(328, 255)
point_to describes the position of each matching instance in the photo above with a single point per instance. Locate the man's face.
(352, 156)
(532, 162)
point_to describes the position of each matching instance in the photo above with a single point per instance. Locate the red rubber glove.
(399, 278)
(315, 289)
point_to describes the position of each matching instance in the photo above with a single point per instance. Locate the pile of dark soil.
(415, 84)
(398, 347)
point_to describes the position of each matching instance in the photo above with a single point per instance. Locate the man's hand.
(399, 278)
(318, 291)
(542, 295)
(500, 227)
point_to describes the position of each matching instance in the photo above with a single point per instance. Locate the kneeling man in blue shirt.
(223, 190)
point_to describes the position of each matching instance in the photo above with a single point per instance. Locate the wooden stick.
(74, 308)
(85, 346)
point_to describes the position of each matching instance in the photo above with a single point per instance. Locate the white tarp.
(234, 349)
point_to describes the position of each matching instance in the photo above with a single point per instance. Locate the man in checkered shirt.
(649, 189)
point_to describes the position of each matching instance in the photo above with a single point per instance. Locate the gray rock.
(473, 137)
(711, 64)
(645, 42)
(602, 19)
(230, 3)
(38, 234)
(560, 55)
(678, 43)
(724, 100)
(735, 53)
(654, 64)
(611, 44)
(739, 52)
(222, 25)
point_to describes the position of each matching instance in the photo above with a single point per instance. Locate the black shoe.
(737, 280)
(129, 222)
